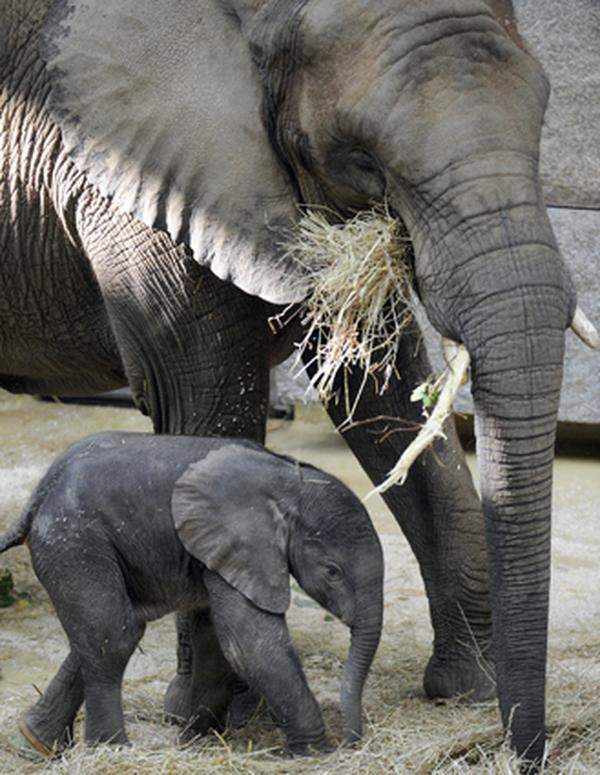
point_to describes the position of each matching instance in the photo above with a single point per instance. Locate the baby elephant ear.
(159, 103)
(226, 515)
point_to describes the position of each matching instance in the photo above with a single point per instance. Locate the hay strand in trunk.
(458, 366)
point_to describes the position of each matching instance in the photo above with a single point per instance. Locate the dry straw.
(446, 385)
(404, 732)
(359, 275)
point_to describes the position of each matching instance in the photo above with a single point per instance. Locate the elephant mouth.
(360, 276)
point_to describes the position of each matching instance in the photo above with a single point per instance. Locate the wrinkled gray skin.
(156, 524)
(434, 105)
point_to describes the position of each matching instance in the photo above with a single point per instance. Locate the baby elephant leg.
(213, 680)
(258, 647)
(103, 678)
(48, 725)
(103, 630)
(205, 689)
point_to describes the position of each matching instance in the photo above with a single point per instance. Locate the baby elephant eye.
(333, 572)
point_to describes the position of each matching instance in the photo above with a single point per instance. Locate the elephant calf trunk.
(363, 645)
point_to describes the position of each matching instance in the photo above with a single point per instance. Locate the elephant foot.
(178, 704)
(468, 679)
(245, 705)
(319, 748)
(197, 707)
(21, 746)
(201, 723)
(31, 744)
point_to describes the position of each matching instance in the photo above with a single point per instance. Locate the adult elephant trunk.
(517, 374)
(492, 278)
(365, 635)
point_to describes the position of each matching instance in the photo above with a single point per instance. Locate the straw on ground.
(360, 276)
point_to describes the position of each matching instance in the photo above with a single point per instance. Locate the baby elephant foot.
(199, 725)
(246, 704)
(210, 703)
(28, 745)
(209, 714)
(317, 748)
(35, 741)
(48, 725)
(467, 678)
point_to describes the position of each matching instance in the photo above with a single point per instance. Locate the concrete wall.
(565, 36)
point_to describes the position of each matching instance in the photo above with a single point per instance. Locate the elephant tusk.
(458, 361)
(585, 329)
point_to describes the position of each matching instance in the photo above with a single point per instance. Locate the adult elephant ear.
(159, 104)
(231, 511)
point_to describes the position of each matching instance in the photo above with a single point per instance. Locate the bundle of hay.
(360, 274)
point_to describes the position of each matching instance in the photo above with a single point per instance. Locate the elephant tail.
(18, 532)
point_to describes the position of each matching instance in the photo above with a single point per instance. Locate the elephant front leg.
(195, 349)
(439, 513)
(259, 649)
(196, 354)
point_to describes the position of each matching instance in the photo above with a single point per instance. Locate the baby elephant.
(125, 528)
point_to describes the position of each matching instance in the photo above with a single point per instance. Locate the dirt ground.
(405, 732)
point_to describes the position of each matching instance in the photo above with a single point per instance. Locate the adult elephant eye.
(357, 169)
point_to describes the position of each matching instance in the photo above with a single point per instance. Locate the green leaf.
(7, 586)
(419, 393)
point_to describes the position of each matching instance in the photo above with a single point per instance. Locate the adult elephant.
(151, 168)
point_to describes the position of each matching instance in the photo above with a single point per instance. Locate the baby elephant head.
(336, 557)
(252, 517)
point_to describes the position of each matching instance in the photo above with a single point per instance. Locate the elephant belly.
(55, 335)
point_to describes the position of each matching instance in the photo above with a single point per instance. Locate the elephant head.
(212, 120)
(336, 557)
(252, 517)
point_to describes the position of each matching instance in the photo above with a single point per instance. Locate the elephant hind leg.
(115, 639)
(103, 680)
(103, 629)
(48, 725)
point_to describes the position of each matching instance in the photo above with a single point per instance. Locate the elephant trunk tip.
(351, 696)
(352, 737)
